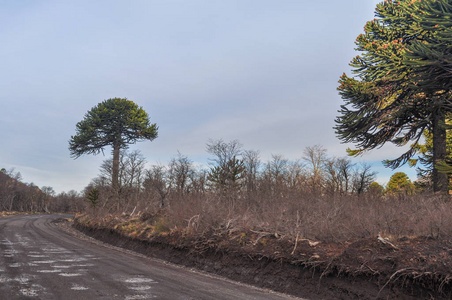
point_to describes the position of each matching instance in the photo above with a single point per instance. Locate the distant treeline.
(234, 173)
(27, 197)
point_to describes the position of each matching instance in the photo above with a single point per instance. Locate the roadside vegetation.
(318, 197)
(322, 214)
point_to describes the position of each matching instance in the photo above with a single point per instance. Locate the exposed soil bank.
(367, 269)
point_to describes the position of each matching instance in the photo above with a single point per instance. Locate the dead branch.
(392, 276)
(295, 247)
(386, 242)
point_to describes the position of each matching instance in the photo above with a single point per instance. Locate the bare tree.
(252, 163)
(130, 177)
(180, 173)
(198, 179)
(363, 178)
(297, 177)
(134, 168)
(49, 196)
(339, 173)
(332, 182)
(345, 168)
(315, 157)
(275, 173)
(157, 183)
(70, 201)
(223, 152)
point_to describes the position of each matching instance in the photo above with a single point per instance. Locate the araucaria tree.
(116, 122)
(392, 98)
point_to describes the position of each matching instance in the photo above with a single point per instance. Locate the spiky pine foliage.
(385, 101)
(228, 175)
(432, 58)
(115, 122)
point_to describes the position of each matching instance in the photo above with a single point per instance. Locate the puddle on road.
(11, 251)
(49, 271)
(43, 261)
(141, 285)
(6, 242)
(77, 259)
(15, 265)
(32, 291)
(61, 267)
(29, 292)
(77, 287)
(139, 280)
(70, 274)
(22, 279)
(141, 288)
(138, 297)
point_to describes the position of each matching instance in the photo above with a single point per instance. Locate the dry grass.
(313, 217)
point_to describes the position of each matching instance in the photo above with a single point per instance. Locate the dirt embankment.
(371, 268)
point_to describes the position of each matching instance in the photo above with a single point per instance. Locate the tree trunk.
(115, 169)
(440, 180)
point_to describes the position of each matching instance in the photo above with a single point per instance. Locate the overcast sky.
(263, 72)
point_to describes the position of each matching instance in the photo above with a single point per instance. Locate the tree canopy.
(433, 56)
(389, 99)
(399, 183)
(115, 122)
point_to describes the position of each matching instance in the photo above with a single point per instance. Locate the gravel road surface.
(39, 260)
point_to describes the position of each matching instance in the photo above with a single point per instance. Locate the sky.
(258, 71)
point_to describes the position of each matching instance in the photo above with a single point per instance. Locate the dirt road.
(38, 260)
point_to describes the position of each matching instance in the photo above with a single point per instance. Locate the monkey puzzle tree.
(432, 60)
(433, 56)
(424, 160)
(386, 101)
(115, 122)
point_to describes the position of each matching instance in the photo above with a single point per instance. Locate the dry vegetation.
(16, 196)
(313, 227)
(321, 214)
(319, 198)
(400, 245)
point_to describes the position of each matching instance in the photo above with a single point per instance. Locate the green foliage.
(400, 183)
(93, 197)
(376, 189)
(114, 122)
(432, 57)
(228, 171)
(424, 161)
(161, 225)
(389, 100)
(228, 175)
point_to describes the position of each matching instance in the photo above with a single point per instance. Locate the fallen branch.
(386, 242)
